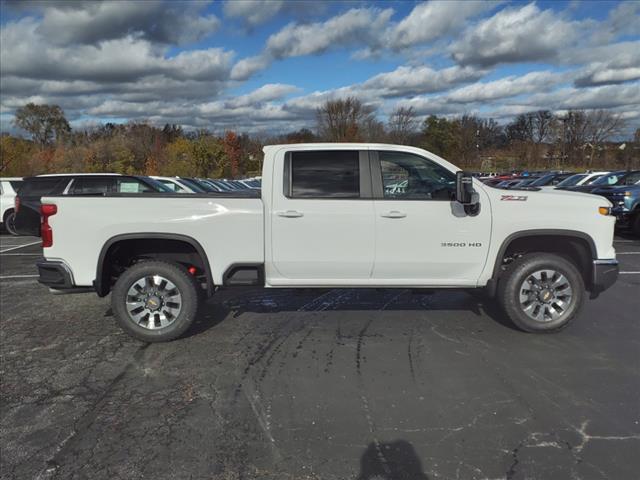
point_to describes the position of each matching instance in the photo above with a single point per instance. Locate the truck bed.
(228, 226)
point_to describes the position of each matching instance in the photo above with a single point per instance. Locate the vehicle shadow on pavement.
(237, 301)
(391, 461)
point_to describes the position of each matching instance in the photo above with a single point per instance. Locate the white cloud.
(405, 80)
(156, 20)
(507, 87)
(430, 20)
(247, 67)
(253, 12)
(515, 35)
(25, 53)
(615, 63)
(257, 12)
(355, 27)
(266, 93)
(604, 97)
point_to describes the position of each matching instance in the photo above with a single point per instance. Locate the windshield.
(158, 186)
(193, 186)
(609, 179)
(572, 180)
(593, 179)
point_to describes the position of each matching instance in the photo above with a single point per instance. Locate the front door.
(322, 221)
(423, 237)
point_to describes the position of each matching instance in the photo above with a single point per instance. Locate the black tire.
(10, 222)
(509, 289)
(184, 283)
(635, 224)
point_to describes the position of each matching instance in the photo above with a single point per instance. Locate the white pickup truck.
(333, 215)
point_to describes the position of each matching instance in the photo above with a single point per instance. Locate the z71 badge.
(513, 198)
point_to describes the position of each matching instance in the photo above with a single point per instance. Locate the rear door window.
(323, 174)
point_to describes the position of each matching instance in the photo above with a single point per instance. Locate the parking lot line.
(7, 277)
(629, 273)
(20, 246)
(627, 253)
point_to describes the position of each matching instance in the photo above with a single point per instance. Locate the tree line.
(535, 140)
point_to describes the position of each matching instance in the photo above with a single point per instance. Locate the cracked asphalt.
(317, 384)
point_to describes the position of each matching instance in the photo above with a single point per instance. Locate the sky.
(265, 66)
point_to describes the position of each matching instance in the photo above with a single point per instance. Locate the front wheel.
(10, 223)
(155, 301)
(541, 292)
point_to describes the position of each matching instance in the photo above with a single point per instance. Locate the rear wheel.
(10, 222)
(541, 292)
(155, 301)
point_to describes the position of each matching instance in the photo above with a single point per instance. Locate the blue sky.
(265, 66)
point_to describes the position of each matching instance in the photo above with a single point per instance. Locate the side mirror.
(465, 194)
(464, 188)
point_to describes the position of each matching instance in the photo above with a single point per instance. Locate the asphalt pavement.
(317, 384)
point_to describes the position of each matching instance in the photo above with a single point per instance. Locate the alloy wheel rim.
(153, 302)
(11, 224)
(545, 295)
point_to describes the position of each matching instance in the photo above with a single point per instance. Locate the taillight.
(16, 204)
(46, 211)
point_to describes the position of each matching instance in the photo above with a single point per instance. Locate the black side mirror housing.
(465, 194)
(464, 187)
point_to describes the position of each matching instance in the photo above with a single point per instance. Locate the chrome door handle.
(393, 214)
(290, 214)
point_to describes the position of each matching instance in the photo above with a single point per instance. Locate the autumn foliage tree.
(232, 150)
(45, 123)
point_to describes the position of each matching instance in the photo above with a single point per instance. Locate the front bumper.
(605, 274)
(58, 277)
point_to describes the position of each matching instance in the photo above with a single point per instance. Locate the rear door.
(423, 237)
(322, 225)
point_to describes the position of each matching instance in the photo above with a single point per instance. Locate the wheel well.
(575, 249)
(118, 255)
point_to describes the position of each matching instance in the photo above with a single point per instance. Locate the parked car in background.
(625, 197)
(586, 178)
(524, 183)
(27, 202)
(492, 181)
(217, 185)
(251, 184)
(8, 188)
(550, 179)
(179, 185)
(605, 180)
